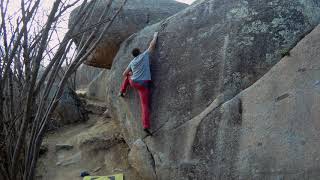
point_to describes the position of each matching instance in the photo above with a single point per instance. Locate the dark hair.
(135, 52)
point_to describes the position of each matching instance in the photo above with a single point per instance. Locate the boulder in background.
(136, 14)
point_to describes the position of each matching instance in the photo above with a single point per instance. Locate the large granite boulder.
(206, 55)
(135, 15)
(141, 160)
(271, 129)
(70, 108)
(279, 136)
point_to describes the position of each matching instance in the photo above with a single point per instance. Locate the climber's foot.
(121, 94)
(147, 131)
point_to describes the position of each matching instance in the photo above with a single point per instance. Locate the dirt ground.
(94, 146)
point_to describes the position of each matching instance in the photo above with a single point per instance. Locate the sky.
(46, 4)
(186, 1)
(44, 10)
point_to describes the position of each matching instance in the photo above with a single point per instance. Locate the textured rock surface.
(141, 160)
(98, 148)
(271, 129)
(206, 55)
(136, 14)
(95, 107)
(97, 89)
(279, 135)
(85, 74)
(70, 109)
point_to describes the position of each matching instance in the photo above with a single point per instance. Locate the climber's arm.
(153, 43)
(127, 71)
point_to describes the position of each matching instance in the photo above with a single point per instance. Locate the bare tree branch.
(30, 67)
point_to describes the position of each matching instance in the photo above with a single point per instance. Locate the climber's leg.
(124, 86)
(144, 94)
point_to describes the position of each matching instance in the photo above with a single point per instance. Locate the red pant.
(144, 93)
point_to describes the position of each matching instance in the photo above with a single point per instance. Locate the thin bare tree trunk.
(30, 88)
(23, 128)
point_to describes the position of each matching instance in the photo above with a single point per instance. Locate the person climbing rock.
(138, 76)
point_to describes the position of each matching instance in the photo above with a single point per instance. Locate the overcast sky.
(186, 1)
(44, 9)
(45, 6)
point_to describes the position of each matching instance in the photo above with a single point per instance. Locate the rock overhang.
(135, 15)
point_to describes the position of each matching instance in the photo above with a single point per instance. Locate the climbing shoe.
(147, 131)
(84, 173)
(121, 94)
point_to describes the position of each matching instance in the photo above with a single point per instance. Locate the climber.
(138, 76)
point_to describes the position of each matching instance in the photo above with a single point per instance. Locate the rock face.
(135, 15)
(271, 129)
(141, 160)
(280, 119)
(206, 55)
(97, 88)
(86, 74)
(70, 109)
